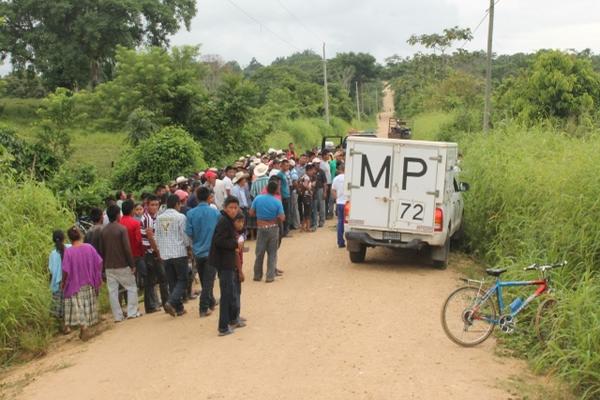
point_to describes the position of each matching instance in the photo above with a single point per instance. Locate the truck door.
(370, 183)
(414, 190)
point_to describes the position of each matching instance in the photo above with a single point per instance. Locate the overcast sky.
(381, 27)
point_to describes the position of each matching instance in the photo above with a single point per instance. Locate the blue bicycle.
(469, 314)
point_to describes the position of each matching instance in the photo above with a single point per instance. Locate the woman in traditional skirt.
(55, 268)
(82, 278)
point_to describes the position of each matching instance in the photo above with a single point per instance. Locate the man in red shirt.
(134, 232)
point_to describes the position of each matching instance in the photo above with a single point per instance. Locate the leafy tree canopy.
(73, 42)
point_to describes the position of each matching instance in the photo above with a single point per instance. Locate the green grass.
(100, 149)
(428, 126)
(535, 197)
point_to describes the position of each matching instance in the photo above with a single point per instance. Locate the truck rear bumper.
(355, 239)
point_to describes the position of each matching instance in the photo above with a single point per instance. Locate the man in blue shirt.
(269, 213)
(200, 226)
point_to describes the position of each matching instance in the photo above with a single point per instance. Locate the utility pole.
(357, 101)
(488, 74)
(376, 99)
(325, 86)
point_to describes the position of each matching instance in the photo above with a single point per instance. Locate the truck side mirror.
(464, 187)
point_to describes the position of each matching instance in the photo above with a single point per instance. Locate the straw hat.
(239, 176)
(260, 169)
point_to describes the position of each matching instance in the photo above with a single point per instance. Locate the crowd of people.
(194, 225)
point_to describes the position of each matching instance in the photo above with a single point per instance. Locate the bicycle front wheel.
(466, 320)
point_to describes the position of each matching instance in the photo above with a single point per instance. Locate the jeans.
(140, 272)
(267, 240)
(207, 275)
(295, 220)
(155, 274)
(227, 305)
(125, 277)
(177, 275)
(286, 211)
(318, 208)
(340, 225)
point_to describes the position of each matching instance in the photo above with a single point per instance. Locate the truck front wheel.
(359, 255)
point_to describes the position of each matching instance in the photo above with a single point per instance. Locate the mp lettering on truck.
(366, 169)
(413, 172)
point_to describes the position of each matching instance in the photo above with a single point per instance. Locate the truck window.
(456, 187)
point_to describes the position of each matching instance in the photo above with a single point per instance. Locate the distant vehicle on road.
(402, 194)
(398, 129)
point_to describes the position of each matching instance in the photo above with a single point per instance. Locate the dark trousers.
(227, 306)
(340, 224)
(288, 215)
(155, 273)
(177, 275)
(237, 292)
(207, 275)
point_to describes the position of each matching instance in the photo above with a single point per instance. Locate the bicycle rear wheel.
(544, 319)
(466, 321)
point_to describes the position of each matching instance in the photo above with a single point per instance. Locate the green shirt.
(333, 167)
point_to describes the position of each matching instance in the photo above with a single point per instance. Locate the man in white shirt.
(218, 188)
(228, 180)
(337, 191)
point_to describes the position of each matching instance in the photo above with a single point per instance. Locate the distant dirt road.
(328, 329)
(386, 113)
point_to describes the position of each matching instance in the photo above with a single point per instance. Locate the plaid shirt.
(258, 185)
(170, 235)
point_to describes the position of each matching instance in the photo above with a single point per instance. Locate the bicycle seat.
(495, 271)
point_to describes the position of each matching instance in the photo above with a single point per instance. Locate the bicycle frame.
(496, 289)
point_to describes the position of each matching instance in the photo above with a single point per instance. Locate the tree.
(71, 42)
(557, 85)
(167, 84)
(57, 114)
(441, 42)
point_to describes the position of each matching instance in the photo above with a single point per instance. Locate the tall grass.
(29, 214)
(535, 197)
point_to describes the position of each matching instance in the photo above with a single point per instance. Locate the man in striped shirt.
(260, 172)
(155, 269)
(173, 244)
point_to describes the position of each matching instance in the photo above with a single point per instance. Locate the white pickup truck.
(402, 194)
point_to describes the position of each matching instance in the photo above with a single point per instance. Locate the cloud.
(382, 27)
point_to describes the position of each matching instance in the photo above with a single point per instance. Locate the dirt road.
(328, 329)
(386, 113)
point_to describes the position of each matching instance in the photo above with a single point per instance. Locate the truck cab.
(402, 194)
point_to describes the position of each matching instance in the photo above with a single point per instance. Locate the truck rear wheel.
(358, 256)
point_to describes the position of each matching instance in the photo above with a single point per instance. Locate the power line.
(298, 20)
(485, 15)
(263, 26)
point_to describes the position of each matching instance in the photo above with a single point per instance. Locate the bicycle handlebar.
(544, 267)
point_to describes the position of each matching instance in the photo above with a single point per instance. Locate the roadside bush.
(534, 198)
(79, 188)
(34, 160)
(30, 213)
(166, 154)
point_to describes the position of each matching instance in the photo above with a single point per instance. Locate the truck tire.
(358, 256)
(439, 255)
